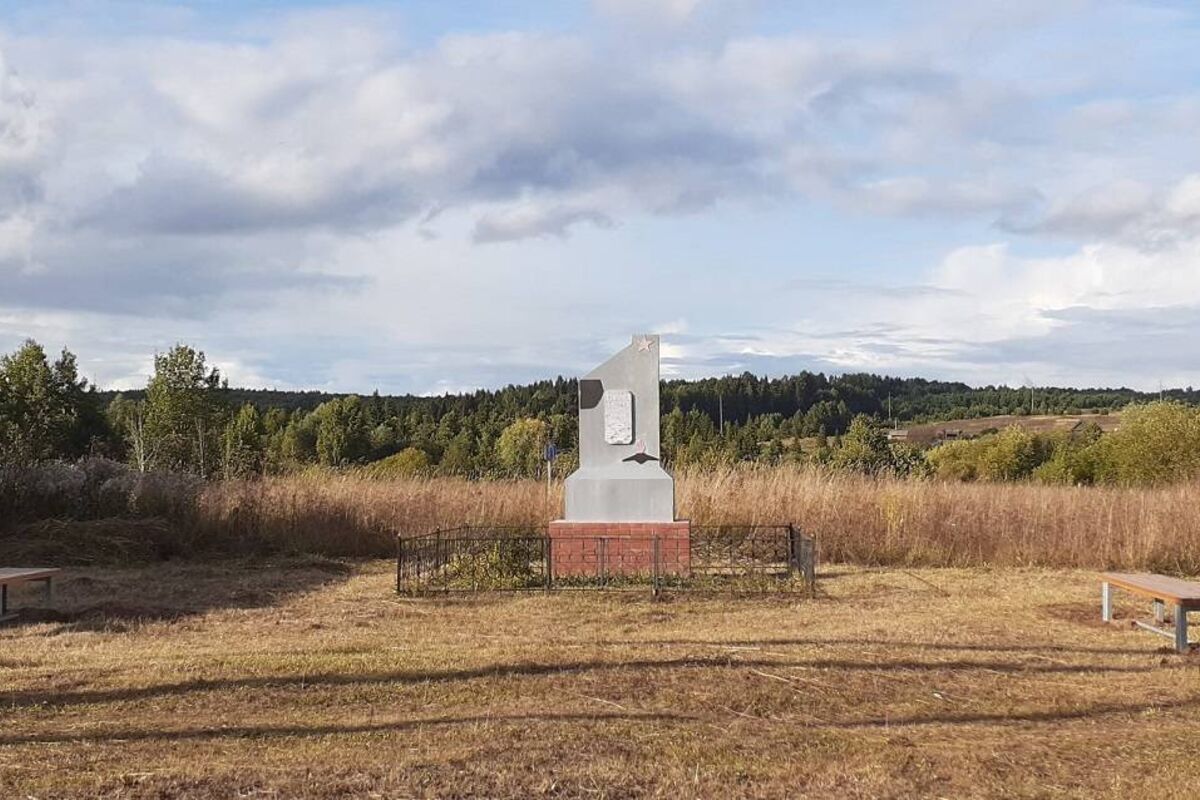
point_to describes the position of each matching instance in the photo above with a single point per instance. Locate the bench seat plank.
(1160, 587)
(11, 575)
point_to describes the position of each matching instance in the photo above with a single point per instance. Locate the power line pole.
(721, 411)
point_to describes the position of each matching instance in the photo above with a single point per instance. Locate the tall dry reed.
(356, 516)
(854, 518)
(893, 521)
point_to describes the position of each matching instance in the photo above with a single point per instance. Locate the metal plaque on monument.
(620, 503)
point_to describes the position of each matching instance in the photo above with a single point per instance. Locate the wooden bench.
(13, 577)
(1161, 589)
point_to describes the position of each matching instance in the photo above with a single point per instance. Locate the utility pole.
(721, 411)
(891, 419)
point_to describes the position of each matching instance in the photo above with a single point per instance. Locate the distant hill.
(262, 398)
(830, 400)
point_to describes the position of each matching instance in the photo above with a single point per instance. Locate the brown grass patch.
(855, 519)
(1038, 423)
(895, 683)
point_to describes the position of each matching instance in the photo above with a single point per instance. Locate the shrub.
(909, 461)
(1012, 454)
(1157, 443)
(90, 489)
(954, 461)
(864, 448)
(410, 462)
(497, 565)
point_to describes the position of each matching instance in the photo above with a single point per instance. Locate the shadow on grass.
(517, 670)
(118, 600)
(1091, 713)
(868, 642)
(271, 731)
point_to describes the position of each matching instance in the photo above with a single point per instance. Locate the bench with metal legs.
(1183, 596)
(12, 577)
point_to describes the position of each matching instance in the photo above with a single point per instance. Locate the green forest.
(188, 420)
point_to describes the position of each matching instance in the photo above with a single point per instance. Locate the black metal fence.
(735, 558)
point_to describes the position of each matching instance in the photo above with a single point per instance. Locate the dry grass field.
(311, 678)
(854, 518)
(1036, 423)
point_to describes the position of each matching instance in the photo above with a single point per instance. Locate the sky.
(435, 196)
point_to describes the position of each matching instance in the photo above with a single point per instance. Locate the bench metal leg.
(5, 614)
(1160, 611)
(48, 592)
(1181, 629)
(1106, 602)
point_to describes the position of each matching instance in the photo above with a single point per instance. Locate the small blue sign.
(551, 452)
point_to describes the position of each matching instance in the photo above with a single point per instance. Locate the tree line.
(187, 419)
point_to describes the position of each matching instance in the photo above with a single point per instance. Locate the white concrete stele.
(620, 477)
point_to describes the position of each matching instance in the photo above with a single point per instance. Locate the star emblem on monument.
(644, 344)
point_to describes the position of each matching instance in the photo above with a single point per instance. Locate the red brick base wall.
(619, 548)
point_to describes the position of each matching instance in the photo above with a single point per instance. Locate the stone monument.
(620, 500)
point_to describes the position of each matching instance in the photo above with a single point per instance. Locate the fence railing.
(737, 558)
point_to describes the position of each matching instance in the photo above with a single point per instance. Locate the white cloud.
(1105, 314)
(1126, 210)
(1183, 202)
(523, 223)
(315, 190)
(354, 132)
(660, 11)
(24, 143)
(16, 244)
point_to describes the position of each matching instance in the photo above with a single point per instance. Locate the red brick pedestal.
(600, 549)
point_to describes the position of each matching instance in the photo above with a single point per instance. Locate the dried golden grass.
(890, 521)
(349, 515)
(260, 680)
(855, 518)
